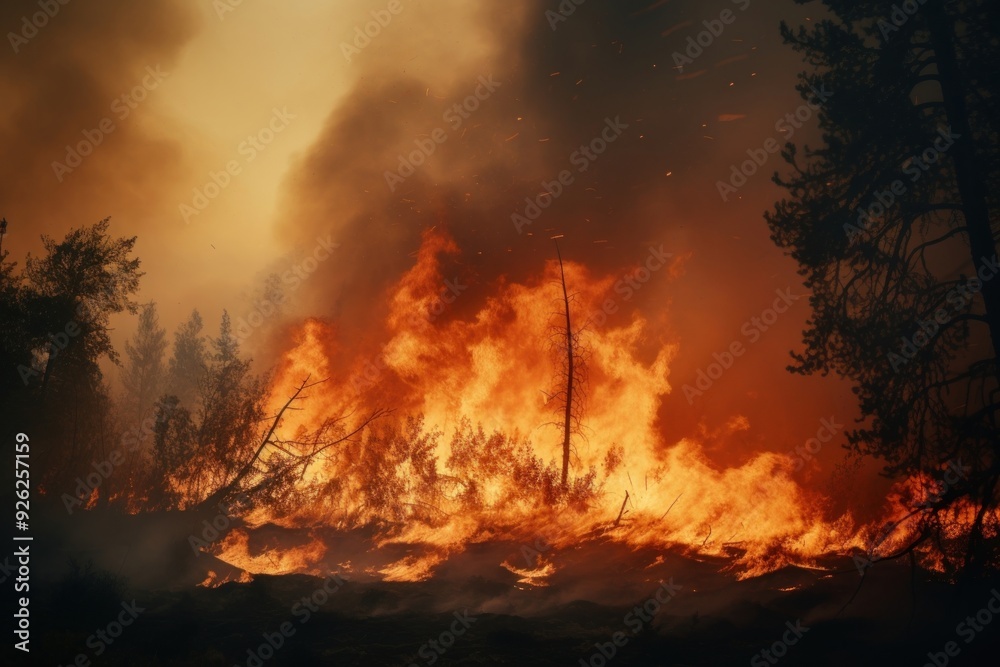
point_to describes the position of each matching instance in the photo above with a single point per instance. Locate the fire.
(473, 455)
(238, 552)
(908, 511)
(535, 576)
(213, 580)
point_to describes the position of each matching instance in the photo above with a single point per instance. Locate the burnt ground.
(896, 618)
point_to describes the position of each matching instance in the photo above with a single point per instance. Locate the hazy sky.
(222, 76)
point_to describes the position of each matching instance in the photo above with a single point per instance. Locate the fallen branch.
(671, 506)
(621, 512)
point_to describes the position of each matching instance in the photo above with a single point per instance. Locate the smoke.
(531, 89)
(528, 98)
(562, 85)
(68, 73)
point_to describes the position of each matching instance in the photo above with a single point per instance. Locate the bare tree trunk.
(968, 173)
(569, 374)
(621, 512)
(972, 189)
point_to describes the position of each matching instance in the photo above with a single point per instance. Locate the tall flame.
(482, 382)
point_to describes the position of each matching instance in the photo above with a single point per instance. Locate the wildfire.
(481, 463)
(532, 576)
(285, 560)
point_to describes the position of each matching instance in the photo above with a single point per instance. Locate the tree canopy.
(895, 232)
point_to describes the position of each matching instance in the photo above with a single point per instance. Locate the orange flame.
(488, 435)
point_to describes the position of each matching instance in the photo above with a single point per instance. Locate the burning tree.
(226, 444)
(894, 229)
(572, 374)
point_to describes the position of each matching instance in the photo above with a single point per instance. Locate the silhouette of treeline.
(180, 424)
(192, 426)
(893, 219)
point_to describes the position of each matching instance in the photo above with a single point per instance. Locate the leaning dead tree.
(569, 372)
(277, 462)
(573, 373)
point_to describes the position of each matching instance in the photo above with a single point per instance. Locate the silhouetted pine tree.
(143, 374)
(895, 230)
(188, 361)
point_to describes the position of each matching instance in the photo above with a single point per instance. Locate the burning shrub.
(199, 448)
(388, 476)
(496, 471)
